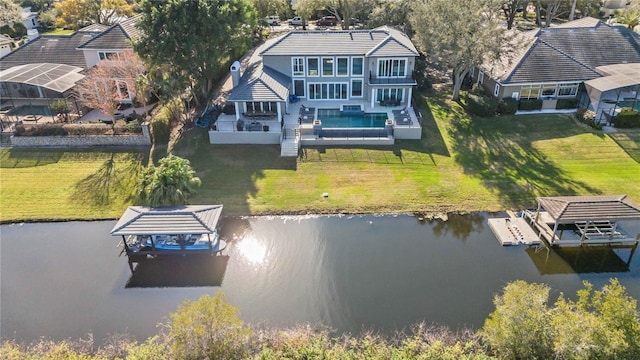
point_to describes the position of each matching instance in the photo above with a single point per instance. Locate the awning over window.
(56, 77)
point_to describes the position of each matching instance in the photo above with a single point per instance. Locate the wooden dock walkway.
(513, 230)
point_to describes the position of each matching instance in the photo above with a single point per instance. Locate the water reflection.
(252, 250)
(582, 259)
(179, 271)
(458, 225)
(380, 273)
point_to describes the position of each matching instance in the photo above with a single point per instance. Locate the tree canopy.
(74, 14)
(602, 324)
(10, 12)
(172, 182)
(458, 34)
(192, 42)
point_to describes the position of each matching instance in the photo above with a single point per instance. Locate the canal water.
(350, 273)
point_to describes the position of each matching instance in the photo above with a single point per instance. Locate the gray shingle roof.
(188, 219)
(118, 36)
(95, 28)
(349, 42)
(570, 52)
(56, 49)
(261, 83)
(581, 208)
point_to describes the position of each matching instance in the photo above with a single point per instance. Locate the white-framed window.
(357, 88)
(549, 90)
(515, 95)
(357, 66)
(262, 106)
(568, 89)
(392, 68)
(389, 94)
(342, 66)
(123, 90)
(531, 91)
(496, 90)
(328, 91)
(480, 77)
(313, 66)
(108, 55)
(327, 66)
(471, 71)
(297, 66)
(298, 87)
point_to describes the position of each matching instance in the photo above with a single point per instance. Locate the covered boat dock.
(593, 218)
(190, 228)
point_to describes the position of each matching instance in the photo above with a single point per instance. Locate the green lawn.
(60, 32)
(58, 184)
(459, 165)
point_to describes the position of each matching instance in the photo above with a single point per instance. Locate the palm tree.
(170, 183)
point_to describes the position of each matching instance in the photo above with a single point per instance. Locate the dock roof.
(187, 219)
(582, 208)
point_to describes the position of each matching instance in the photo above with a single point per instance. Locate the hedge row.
(530, 104)
(567, 104)
(77, 129)
(627, 118)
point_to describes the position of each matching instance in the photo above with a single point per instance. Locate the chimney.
(235, 73)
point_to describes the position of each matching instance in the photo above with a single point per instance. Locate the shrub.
(208, 328)
(530, 104)
(40, 130)
(481, 105)
(60, 106)
(567, 104)
(161, 126)
(507, 106)
(627, 118)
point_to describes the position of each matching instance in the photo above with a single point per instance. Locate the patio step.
(289, 147)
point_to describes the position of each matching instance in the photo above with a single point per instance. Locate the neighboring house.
(569, 61)
(609, 7)
(48, 67)
(5, 45)
(30, 18)
(347, 71)
(111, 42)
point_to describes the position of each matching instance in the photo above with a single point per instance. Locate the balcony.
(401, 80)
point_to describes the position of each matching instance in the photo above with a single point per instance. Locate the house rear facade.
(561, 62)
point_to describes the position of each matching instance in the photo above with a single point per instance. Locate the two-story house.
(331, 83)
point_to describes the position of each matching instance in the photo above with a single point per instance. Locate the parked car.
(296, 21)
(272, 20)
(353, 22)
(327, 21)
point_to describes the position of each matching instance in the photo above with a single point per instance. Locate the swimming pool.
(629, 103)
(23, 110)
(334, 118)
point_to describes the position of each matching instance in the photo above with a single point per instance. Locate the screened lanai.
(618, 87)
(593, 218)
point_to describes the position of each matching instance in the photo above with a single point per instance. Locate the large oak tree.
(191, 42)
(459, 34)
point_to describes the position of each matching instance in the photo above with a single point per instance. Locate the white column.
(40, 92)
(279, 111)
(238, 112)
(373, 97)
(409, 97)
